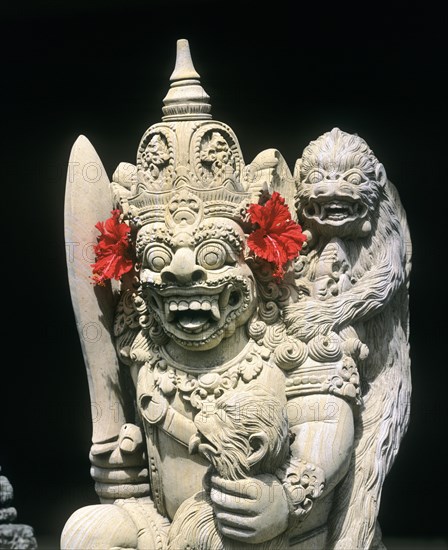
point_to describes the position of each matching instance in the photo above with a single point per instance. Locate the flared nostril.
(168, 277)
(198, 275)
(183, 276)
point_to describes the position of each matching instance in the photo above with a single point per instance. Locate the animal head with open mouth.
(195, 280)
(339, 181)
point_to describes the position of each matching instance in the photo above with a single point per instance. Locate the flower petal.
(267, 247)
(278, 238)
(113, 250)
(292, 239)
(270, 215)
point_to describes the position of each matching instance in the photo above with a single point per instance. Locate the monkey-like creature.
(244, 434)
(344, 199)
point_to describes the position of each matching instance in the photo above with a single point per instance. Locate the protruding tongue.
(191, 320)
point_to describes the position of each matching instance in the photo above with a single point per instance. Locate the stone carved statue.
(249, 381)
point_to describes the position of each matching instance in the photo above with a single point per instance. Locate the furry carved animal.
(245, 434)
(344, 197)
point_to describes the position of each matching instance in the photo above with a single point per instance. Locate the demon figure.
(249, 380)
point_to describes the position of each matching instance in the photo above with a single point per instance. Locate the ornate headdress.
(188, 166)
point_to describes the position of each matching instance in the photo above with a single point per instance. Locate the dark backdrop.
(280, 75)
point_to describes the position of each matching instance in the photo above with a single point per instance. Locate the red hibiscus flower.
(113, 251)
(276, 238)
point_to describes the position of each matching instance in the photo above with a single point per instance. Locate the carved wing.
(269, 172)
(87, 201)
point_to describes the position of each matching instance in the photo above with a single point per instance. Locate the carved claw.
(193, 444)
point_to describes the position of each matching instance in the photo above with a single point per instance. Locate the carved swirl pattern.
(301, 266)
(290, 354)
(345, 382)
(269, 291)
(126, 325)
(325, 347)
(275, 335)
(284, 294)
(256, 329)
(303, 483)
(269, 312)
(131, 313)
(146, 321)
(157, 335)
(127, 314)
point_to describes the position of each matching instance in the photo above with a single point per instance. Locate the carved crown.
(187, 162)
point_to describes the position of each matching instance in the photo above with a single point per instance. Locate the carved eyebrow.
(315, 170)
(358, 171)
(219, 232)
(160, 235)
(352, 171)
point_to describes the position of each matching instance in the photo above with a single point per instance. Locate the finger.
(235, 509)
(119, 475)
(228, 502)
(248, 489)
(237, 534)
(227, 486)
(238, 521)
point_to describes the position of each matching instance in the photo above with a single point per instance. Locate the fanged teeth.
(335, 210)
(198, 304)
(224, 296)
(215, 310)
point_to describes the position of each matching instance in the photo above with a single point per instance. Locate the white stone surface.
(266, 411)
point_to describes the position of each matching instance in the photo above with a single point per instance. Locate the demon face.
(195, 279)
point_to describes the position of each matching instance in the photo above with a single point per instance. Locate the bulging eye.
(157, 257)
(355, 178)
(315, 177)
(211, 256)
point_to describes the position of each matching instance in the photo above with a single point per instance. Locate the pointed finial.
(184, 69)
(186, 99)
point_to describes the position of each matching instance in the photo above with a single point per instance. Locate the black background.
(280, 74)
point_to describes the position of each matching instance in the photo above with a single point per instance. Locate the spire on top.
(186, 99)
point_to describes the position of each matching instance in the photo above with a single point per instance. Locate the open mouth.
(200, 444)
(192, 316)
(335, 211)
(196, 312)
